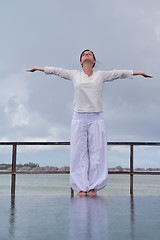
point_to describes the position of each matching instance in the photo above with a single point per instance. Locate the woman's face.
(87, 56)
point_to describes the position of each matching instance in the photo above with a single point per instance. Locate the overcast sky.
(123, 34)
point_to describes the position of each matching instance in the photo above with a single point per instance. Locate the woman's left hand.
(146, 75)
(142, 74)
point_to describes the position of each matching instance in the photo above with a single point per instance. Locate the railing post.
(13, 180)
(131, 169)
(72, 192)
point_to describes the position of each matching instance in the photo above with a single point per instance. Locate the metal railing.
(131, 171)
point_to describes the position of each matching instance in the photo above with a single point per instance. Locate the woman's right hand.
(35, 69)
(31, 70)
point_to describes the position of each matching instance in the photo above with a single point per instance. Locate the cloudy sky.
(123, 34)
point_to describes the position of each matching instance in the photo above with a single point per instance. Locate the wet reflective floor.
(49, 217)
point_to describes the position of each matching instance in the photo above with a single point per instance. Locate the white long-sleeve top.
(88, 90)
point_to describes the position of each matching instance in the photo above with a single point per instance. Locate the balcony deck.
(62, 217)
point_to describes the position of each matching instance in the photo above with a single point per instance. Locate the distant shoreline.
(32, 167)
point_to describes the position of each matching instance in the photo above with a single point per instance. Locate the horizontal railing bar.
(135, 143)
(34, 143)
(135, 173)
(68, 143)
(147, 173)
(43, 172)
(67, 172)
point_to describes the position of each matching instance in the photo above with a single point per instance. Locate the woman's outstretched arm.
(35, 69)
(142, 74)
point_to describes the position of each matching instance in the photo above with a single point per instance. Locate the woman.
(88, 166)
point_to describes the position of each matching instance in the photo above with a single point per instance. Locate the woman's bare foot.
(92, 193)
(82, 193)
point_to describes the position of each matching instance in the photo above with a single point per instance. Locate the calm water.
(43, 210)
(58, 184)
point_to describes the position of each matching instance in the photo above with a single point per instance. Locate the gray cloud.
(123, 34)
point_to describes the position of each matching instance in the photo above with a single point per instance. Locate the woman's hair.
(91, 52)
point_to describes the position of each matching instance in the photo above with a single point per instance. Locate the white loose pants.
(88, 165)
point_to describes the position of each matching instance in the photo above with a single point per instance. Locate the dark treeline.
(4, 166)
(35, 166)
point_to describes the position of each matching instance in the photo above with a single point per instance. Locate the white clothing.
(88, 165)
(88, 90)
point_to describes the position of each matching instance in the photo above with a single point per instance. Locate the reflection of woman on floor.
(88, 218)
